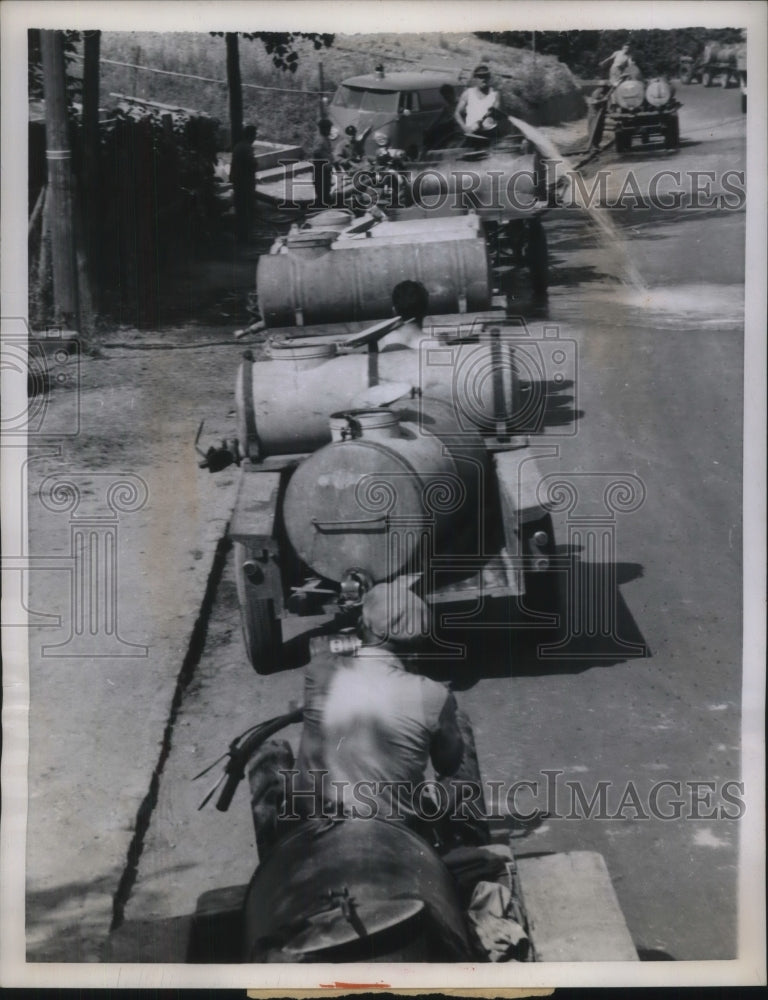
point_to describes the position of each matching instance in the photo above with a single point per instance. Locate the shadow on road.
(594, 628)
(627, 218)
(546, 404)
(70, 923)
(579, 274)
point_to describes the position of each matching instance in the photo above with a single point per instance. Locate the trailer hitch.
(216, 459)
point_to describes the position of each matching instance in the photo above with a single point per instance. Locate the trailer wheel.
(262, 631)
(706, 78)
(537, 257)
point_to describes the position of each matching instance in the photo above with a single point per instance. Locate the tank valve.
(216, 459)
(353, 587)
(254, 573)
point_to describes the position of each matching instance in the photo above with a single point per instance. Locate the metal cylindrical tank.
(658, 92)
(378, 862)
(354, 281)
(397, 486)
(629, 94)
(291, 397)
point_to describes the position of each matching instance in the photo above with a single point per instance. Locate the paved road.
(656, 402)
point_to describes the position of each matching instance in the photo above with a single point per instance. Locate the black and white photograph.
(383, 494)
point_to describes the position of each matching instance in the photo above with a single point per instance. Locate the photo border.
(392, 15)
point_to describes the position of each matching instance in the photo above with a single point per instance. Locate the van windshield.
(360, 99)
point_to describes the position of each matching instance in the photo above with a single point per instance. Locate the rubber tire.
(672, 134)
(262, 631)
(537, 257)
(743, 104)
(706, 79)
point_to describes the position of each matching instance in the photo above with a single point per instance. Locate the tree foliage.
(656, 51)
(281, 44)
(35, 65)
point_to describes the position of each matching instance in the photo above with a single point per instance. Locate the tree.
(234, 87)
(656, 51)
(280, 45)
(70, 41)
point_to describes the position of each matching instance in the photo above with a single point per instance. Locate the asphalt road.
(654, 401)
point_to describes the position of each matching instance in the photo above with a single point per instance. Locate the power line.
(208, 79)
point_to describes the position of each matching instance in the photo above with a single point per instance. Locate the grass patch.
(525, 81)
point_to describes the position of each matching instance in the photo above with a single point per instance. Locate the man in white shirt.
(370, 726)
(620, 61)
(477, 103)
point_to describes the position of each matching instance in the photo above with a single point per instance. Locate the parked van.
(410, 111)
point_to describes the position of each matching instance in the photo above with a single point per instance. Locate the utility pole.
(235, 87)
(91, 149)
(60, 188)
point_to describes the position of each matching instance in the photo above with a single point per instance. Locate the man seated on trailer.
(371, 725)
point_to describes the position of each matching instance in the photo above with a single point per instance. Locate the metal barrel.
(378, 862)
(386, 504)
(354, 280)
(291, 398)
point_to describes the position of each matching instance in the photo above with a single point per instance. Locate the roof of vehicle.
(403, 81)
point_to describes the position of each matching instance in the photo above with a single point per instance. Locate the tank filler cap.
(374, 424)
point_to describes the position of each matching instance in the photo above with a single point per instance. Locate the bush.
(156, 205)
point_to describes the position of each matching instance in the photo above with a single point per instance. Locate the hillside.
(538, 88)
